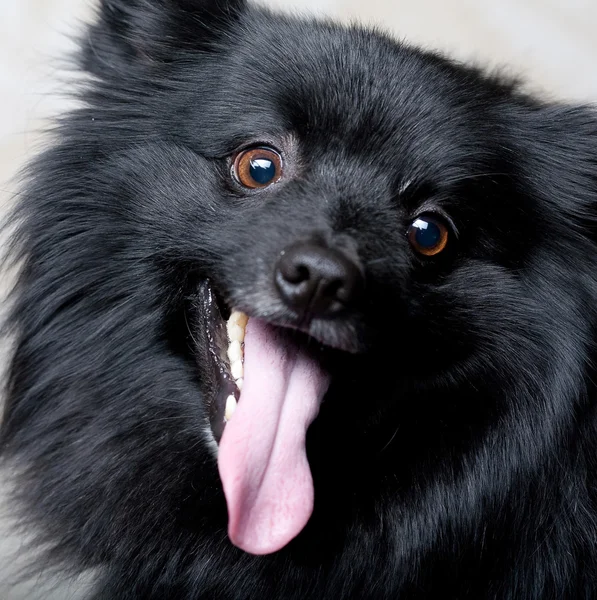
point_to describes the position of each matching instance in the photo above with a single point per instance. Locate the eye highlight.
(257, 168)
(428, 235)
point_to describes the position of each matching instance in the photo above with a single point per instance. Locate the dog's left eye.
(256, 168)
(428, 235)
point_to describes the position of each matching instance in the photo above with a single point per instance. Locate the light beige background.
(551, 42)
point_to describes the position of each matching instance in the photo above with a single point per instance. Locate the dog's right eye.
(257, 168)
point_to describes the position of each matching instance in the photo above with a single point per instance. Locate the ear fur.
(560, 162)
(153, 32)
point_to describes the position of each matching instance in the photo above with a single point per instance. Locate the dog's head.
(400, 231)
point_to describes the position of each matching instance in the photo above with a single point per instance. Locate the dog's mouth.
(263, 384)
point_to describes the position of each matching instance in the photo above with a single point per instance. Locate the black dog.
(415, 244)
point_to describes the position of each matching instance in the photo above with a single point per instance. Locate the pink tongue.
(262, 459)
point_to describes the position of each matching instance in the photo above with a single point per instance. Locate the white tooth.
(230, 407)
(235, 332)
(235, 352)
(235, 317)
(239, 383)
(237, 370)
(242, 320)
(236, 326)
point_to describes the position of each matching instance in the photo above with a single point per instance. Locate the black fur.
(454, 458)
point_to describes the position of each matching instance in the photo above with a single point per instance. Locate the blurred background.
(551, 43)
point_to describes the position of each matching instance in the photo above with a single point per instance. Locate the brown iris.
(428, 235)
(256, 168)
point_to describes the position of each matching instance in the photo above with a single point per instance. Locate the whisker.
(377, 261)
(186, 320)
(391, 440)
(454, 180)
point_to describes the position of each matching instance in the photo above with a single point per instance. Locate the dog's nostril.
(296, 273)
(318, 280)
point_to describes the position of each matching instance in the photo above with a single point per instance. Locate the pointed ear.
(128, 32)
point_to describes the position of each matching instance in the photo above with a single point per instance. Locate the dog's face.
(398, 241)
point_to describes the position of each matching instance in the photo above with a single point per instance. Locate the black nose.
(318, 280)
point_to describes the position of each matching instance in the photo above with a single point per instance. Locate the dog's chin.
(263, 382)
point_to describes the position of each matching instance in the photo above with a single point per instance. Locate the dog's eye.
(428, 235)
(257, 167)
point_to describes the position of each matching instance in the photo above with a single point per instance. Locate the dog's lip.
(208, 319)
(329, 335)
(210, 340)
(310, 330)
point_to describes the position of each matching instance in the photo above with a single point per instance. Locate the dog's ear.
(558, 153)
(153, 32)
